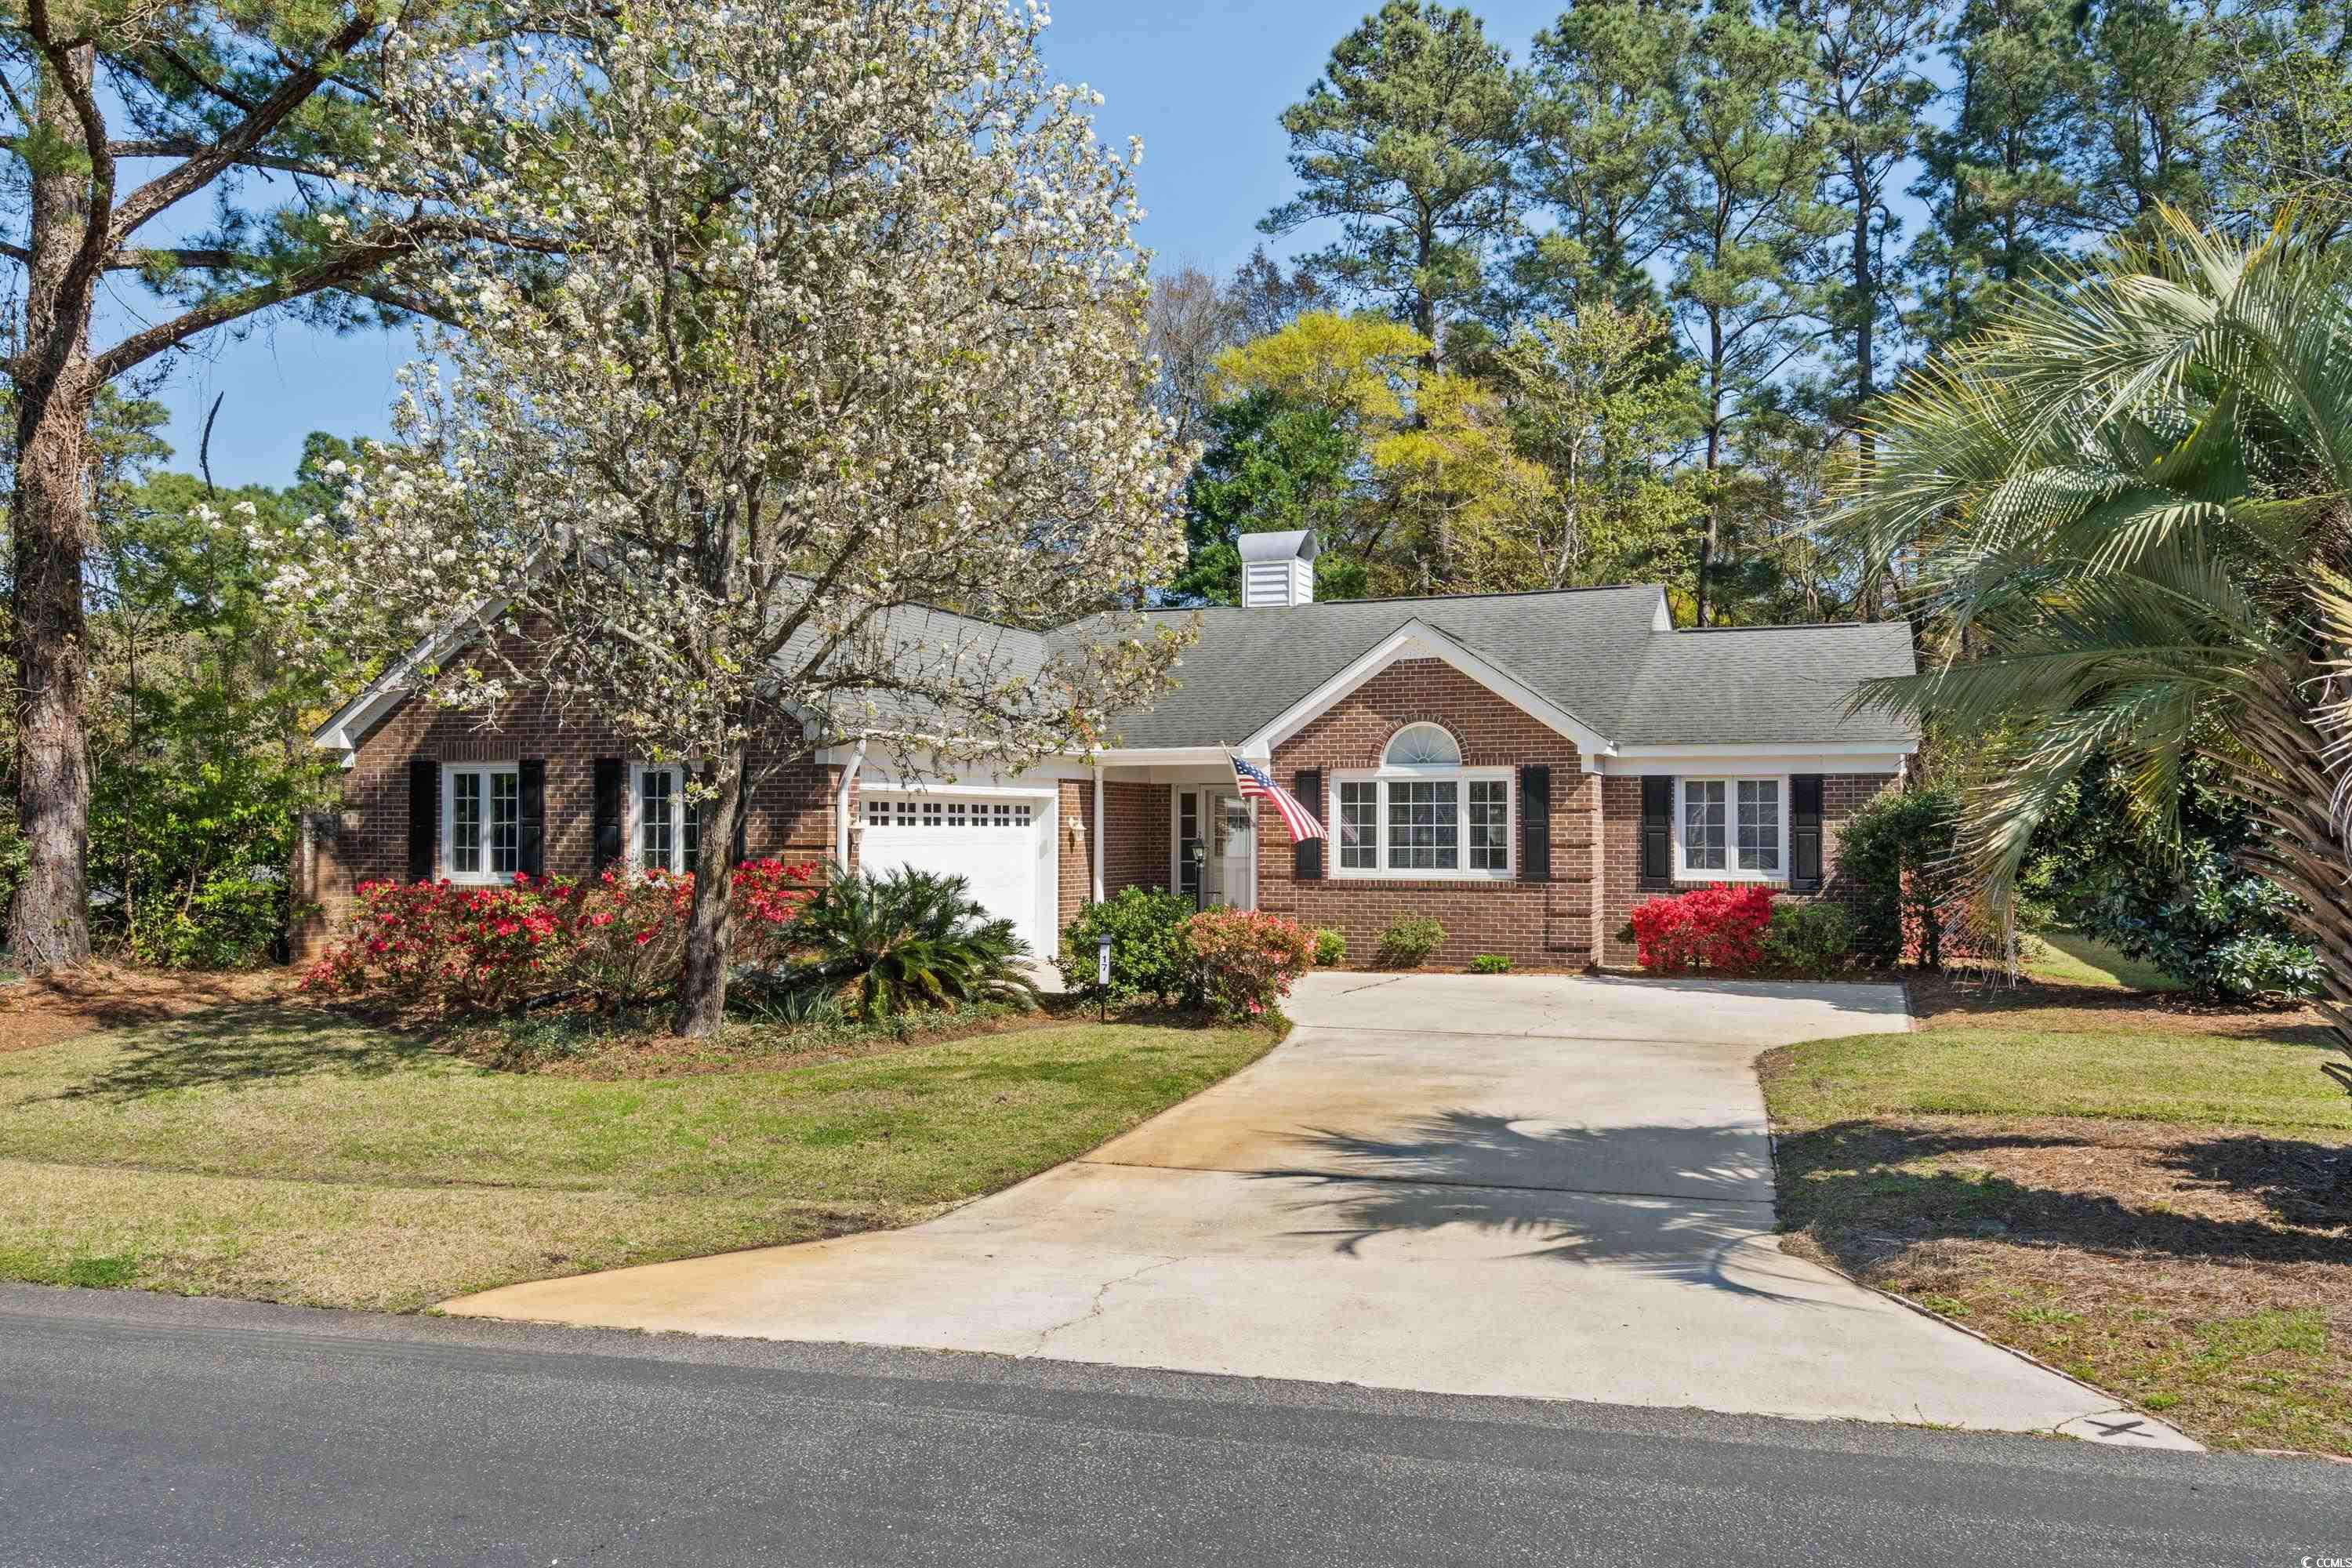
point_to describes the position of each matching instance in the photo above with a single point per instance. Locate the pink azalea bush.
(1720, 927)
(613, 938)
(1246, 961)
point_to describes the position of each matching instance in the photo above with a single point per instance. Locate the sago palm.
(906, 940)
(2124, 507)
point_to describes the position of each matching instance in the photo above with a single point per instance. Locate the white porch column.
(1097, 836)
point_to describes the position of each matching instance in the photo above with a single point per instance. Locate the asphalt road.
(138, 1429)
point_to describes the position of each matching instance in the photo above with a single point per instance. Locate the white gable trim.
(1418, 639)
(350, 723)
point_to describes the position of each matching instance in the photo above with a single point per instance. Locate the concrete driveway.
(1531, 1186)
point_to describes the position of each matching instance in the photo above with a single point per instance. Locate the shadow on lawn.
(251, 1043)
(1850, 1184)
(1552, 1188)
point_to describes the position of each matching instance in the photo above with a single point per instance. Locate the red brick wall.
(1136, 850)
(1135, 853)
(790, 814)
(1843, 794)
(1545, 923)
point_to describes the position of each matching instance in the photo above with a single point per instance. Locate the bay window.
(1731, 829)
(1422, 813)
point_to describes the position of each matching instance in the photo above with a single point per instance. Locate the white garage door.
(998, 844)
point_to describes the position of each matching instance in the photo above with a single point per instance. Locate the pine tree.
(1746, 229)
(1600, 150)
(1408, 141)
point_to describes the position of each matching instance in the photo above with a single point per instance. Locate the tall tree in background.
(1601, 149)
(1605, 403)
(2150, 115)
(121, 117)
(1998, 176)
(2288, 114)
(1747, 228)
(1193, 319)
(1865, 97)
(1409, 141)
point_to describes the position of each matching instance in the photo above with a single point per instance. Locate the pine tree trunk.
(56, 387)
(710, 931)
(50, 921)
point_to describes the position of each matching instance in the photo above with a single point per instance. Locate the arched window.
(1423, 746)
(1420, 813)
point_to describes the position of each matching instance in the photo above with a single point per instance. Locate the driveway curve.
(1539, 1186)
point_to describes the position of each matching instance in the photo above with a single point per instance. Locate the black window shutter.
(739, 850)
(606, 813)
(1306, 855)
(530, 791)
(423, 816)
(1657, 833)
(1535, 824)
(1805, 833)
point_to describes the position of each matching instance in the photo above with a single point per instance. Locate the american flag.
(1256, 784)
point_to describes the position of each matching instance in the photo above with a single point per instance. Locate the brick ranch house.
(1526, 767)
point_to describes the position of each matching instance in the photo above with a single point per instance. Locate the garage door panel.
(996, 846)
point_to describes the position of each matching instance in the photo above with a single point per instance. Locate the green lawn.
(2143, 1073)
(2064, 958)
(290, 1154)
(2148, 1199)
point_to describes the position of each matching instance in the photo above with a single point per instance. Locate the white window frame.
(1460, 778)
(483, 877)
(1685, 872)
(635, 826)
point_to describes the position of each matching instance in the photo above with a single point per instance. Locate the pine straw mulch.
(67, 1003)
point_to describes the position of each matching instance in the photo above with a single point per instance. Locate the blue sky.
(1199, 80)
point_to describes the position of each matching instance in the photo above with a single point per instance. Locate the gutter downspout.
(1098, 834)
(841, 804)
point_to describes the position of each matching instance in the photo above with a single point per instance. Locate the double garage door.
(1001, 845)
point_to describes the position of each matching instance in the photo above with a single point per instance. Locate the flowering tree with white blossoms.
(843, 323)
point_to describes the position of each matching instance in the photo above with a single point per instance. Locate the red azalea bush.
(1718, 927)
(487, 949)
(1247, 962)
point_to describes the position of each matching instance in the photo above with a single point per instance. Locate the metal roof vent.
(1278, 568)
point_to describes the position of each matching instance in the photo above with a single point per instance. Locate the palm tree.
(2126, 504)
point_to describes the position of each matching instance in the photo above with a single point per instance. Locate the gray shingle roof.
(1578, 647)
(1765, 685)
(1593, 651)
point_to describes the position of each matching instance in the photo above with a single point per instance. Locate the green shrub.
(903, 940)
(1330, 948)
(2182, 899)
(1812, 937)
(1491, 963)
(1408, 942)
(231, 922)
(1149, 958)
(1897, 853)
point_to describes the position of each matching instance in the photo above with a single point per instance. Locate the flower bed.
(616, 938)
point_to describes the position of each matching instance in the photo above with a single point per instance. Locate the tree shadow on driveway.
(1550, 1187)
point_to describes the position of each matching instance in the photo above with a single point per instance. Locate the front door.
(1233, 838)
